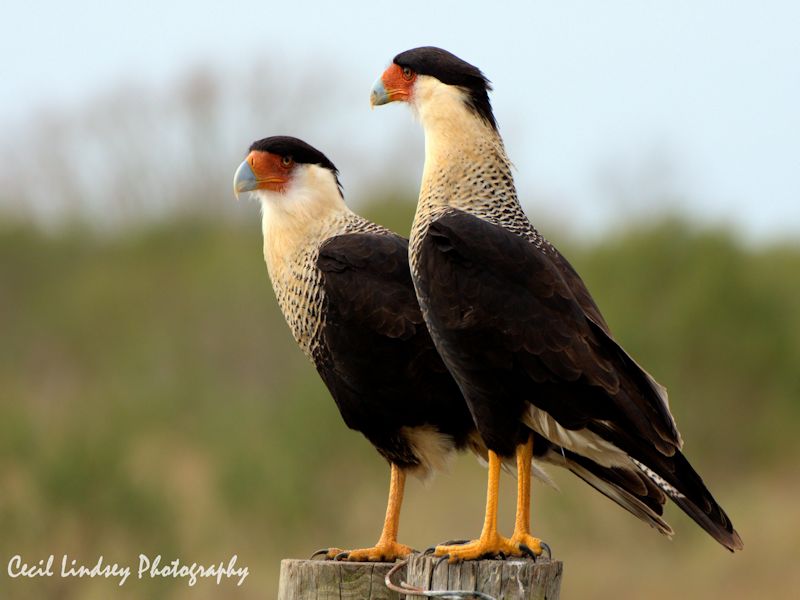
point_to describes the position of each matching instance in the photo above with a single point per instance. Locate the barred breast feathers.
(294, 226)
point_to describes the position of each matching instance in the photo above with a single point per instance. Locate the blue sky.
(608, 108)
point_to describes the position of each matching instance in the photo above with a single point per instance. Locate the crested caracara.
(517, 327)
(344, 287)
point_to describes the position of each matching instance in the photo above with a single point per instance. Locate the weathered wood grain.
(334, 580)
(502, 579)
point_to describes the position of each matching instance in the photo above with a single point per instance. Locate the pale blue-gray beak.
(244, 180)
(379, 95)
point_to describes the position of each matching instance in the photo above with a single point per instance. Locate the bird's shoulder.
(364, 252)
(367, 282)
(524, 257)
(499, 260)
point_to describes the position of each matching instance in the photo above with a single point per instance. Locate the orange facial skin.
(398, 83)
(272, 171)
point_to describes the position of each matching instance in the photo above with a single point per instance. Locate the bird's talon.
(527, 550)
(546, 548)
(328, 553)
(443, 558)
(381, 552)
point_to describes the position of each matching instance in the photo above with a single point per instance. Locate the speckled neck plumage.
(466, 168)
(291, 257)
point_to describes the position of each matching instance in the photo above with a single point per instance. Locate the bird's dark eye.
(286, 161)
(407, 73)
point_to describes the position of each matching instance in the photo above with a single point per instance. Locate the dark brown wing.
(499, 301)
(376, 355)
(578, 288)
(507, 319)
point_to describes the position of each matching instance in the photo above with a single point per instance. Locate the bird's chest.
(427, 213)
(298, 289)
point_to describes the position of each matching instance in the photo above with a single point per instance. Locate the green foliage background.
(152, 401)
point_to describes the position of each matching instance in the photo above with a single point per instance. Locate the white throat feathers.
(463, 153)
(295, 223)
(303, 215)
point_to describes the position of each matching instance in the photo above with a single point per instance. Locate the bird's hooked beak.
(379, 94)
(244, 180)
(391, 86)
(261, 171)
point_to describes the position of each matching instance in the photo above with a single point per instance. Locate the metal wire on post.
(405, 588)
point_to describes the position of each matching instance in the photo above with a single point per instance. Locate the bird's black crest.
(298, 150)
(451, 70)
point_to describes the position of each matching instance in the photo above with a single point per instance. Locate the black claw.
(429, 550)
(549, 552)
(341, 556)
(527, 550)
(440, 560)
(321, 551)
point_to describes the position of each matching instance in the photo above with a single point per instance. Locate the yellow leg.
(522, 522)
(490, 542)
(387, 549)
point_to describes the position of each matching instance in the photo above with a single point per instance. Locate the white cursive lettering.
(192, 572)
(148, 567)
(98, 570)
(17, 568)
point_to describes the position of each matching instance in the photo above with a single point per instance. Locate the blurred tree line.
(152, 400)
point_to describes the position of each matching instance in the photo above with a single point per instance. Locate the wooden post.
(513, 579)
(501, 579)
(334, 580)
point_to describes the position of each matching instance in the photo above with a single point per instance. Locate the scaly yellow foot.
(381, 552)
(521, 541)
(490, 545)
